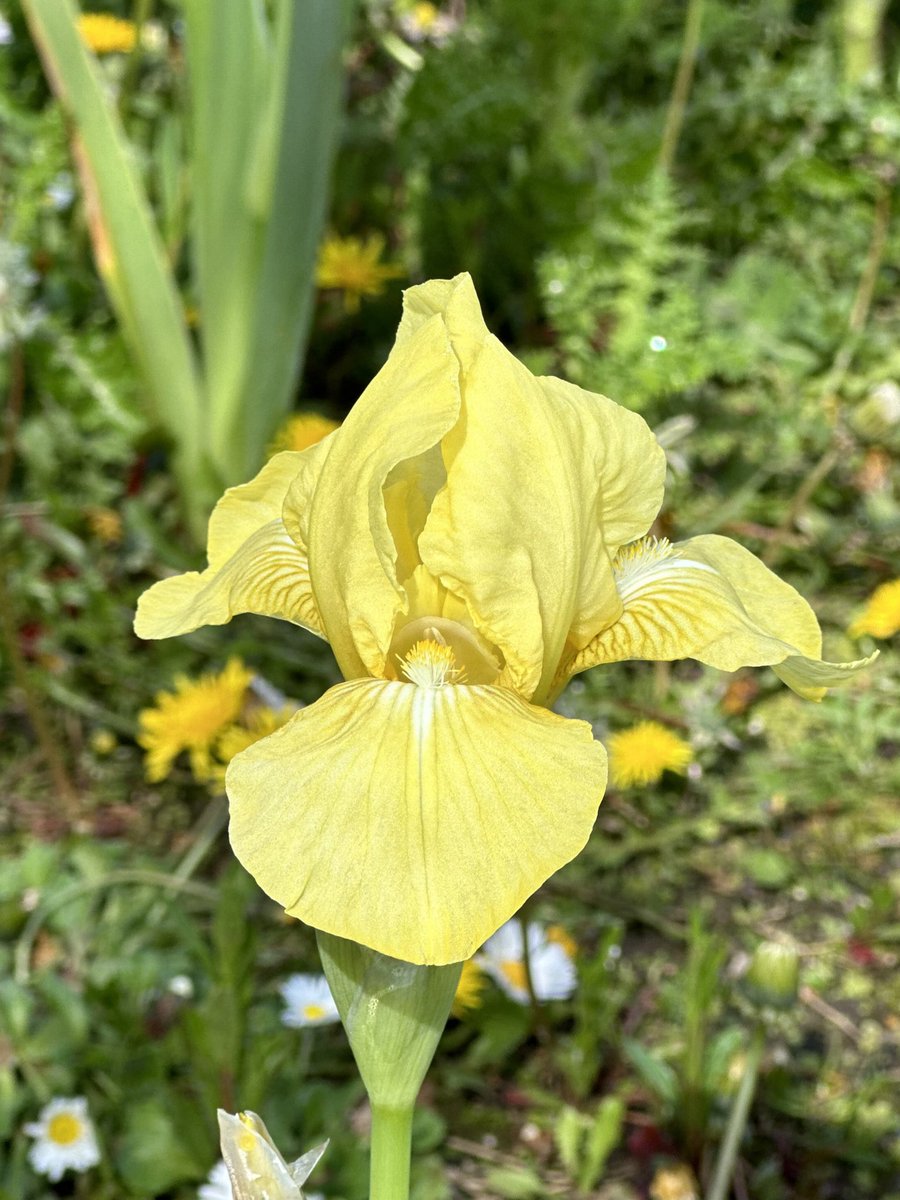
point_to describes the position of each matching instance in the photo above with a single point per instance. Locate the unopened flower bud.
(879, 412)
(256, 1169)
(773, 975)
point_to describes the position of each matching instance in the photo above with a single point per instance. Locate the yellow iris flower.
(467, 540)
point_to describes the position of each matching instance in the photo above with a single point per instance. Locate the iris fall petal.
(710, 599)
(414, 820)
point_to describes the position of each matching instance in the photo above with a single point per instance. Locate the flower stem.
(681, 89)
(737, 1120)
(391, 1149)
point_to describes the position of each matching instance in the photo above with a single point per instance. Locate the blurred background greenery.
(689, 207)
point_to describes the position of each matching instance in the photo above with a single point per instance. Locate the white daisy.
(550, 955)
(423, 21)
(307, 1001)
(64, 1138)
(218, 1185)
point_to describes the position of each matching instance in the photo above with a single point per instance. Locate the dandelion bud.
(772, 977)
(879, 412)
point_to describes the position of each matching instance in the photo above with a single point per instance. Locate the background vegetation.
(688, 208)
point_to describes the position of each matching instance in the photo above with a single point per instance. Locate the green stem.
(681, 89)
(737, 1120)
(391, 1150)
(830, 399)
(861, 36)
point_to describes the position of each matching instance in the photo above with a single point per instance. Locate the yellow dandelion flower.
(259, 724)
(472, 983)
(352, 265)
(301, 431)
(191, 718)
(105, 34)
(105, 524)
(674, 1183)
(640, 755)
(881, 616)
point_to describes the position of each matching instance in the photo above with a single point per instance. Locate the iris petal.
(710, 599)
(403, 413)
(533, 561)
(254, 563)
(414, 820)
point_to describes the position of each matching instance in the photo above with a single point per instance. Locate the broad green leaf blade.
(229, 58)
(301, 137)
(127, 247)
(265, 103)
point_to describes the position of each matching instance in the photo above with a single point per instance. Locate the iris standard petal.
(254, 563)
(540, 475)
(456, 303)
(710, 599)
(403, 413)
(414, 820)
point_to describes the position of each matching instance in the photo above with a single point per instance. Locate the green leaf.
(658, 1075)
(513, 1183)
(152, 1157)
(127, 247)
(602, 1139)
(568, 1134)
(265, 103)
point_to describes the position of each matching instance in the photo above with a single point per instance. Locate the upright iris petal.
(468, 539)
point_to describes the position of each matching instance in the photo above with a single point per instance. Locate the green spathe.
(394, 1013)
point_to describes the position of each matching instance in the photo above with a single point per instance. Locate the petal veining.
(414, 819)
(254, 563)
(710, 599)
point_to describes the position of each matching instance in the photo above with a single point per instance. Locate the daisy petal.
(438, 785)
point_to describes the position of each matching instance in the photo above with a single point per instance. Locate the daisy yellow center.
(640, 755)
(431, 664)
(556, 933)
(313, 1012)
(425, 14)
(514, 972)
(63, 1129)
